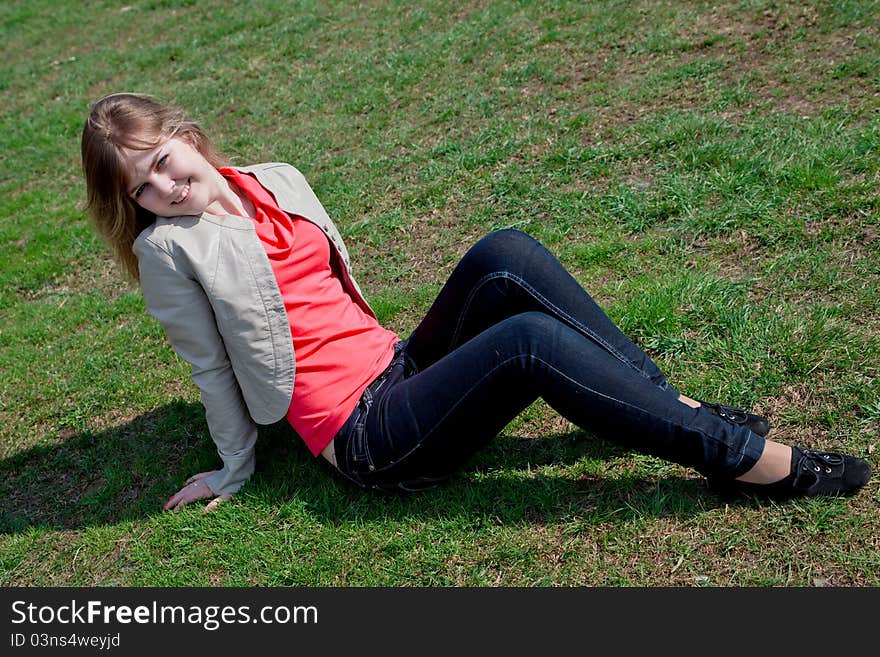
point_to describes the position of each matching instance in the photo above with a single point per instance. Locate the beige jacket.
(208, 281)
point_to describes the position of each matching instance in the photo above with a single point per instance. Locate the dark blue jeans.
(512, 325)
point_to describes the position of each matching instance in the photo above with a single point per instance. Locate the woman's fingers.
(213, 504)
(199, 476)
(195, 489)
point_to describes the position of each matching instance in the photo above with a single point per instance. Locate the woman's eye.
(161, 162)
(140, 190)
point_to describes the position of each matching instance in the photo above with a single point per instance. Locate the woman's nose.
(164, 183)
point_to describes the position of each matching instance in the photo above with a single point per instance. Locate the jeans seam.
(541, 299)
(741, 451)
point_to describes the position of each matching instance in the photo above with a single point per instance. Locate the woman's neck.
(230, 199)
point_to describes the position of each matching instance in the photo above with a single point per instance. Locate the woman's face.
(171, 179)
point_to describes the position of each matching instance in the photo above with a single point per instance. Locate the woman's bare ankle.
(773, 465)
(693, 403)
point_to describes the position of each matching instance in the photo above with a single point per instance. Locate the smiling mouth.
(184, 193)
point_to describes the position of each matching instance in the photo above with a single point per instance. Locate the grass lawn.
(707, 170)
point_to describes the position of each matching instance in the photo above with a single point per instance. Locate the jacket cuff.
(236, 471)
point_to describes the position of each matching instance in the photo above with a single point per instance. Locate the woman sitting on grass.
(252, 283)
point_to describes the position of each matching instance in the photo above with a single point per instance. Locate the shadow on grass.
(127, 473)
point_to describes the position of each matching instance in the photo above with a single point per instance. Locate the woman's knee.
(502, 249)
(507, 238)
(537, 329)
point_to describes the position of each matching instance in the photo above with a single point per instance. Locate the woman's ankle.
(693, 403)
(773, 465)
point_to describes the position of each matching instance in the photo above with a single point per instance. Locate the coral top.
(339, 348)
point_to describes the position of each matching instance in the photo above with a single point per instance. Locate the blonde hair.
(134, 122)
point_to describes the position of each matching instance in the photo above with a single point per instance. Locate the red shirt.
(339, 348)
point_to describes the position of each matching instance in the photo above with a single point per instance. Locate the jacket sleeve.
(180, 304)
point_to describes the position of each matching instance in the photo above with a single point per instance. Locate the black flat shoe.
(812, 474)
(757, 423)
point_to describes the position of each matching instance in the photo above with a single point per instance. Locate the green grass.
(707, 170)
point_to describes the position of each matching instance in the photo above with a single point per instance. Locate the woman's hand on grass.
(195, 488)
